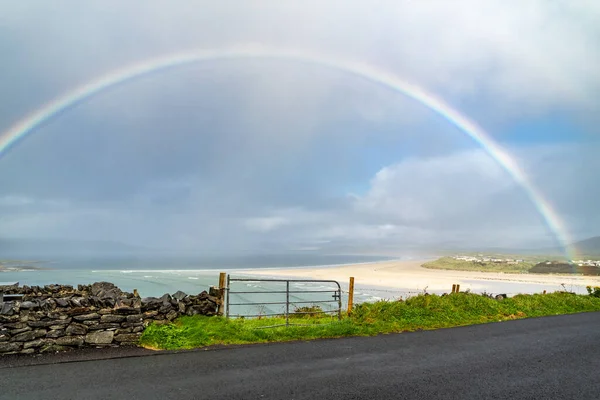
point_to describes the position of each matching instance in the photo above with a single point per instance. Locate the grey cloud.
(461, 198)
(267, 153)
(526, 58)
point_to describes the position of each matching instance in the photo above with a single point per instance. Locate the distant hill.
(590, 247)
(561, 267)
(587, 248)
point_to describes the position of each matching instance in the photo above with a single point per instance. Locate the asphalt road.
(545, 358)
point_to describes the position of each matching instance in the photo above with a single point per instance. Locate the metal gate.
(336, 295)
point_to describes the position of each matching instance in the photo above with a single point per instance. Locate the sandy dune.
(410, 275)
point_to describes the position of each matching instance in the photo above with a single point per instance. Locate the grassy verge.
(461, 265)
(421, 312)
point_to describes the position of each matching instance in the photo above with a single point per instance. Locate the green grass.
(461, 265)
(423, 312)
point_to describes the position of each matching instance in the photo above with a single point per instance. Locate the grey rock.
(24, 337)
(135, 318)
(9, 346)
(131, 324)
(43, 304)
(105, 290)
(28, 305)
(171, 315)
(28, 351)
(113, 318)
(96, 302)
(45, 324)
(101, 337)
(215, 291)
(54, 333)
(70, 341)
(213, 299)
(52, 288)
(15, 325)
(151, 303)
(109, 302)
(165, 308)
(127, 310)
(7, 308)
(136, 303)
(90, 323)
(166, 299)
(53, 348)
(40, 333)
(179, 295)
(75, 302)
(107, 326)
(137, 329)
(76, 329)
(61, 326)
(121, 331)
(124, 302)
(150, 314)
(62, 302)
(4, 336)
(78, 311)
(17, 331)
(127, 337)
(35, 343)
(87, 317)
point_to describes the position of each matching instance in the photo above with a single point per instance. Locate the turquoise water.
(156, 283)
(155, 277)
(162, 262)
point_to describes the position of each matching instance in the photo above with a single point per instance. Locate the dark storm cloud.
(272, 154)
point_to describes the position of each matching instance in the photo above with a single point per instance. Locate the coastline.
(373, 280)
(409, 274)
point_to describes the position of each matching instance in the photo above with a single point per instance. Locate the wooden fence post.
(457, 288)
(350, 295)
(222, 288)
(454, 288)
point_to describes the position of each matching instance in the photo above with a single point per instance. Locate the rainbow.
(36, 119)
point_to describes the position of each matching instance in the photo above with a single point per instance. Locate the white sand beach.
(410, 276)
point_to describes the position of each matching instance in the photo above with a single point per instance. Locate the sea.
(155, 276)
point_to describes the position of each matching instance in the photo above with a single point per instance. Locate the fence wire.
(251, 307)
(326, 299)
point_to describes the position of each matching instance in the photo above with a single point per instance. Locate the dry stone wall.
(59, 317)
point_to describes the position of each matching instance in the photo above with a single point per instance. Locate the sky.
(272, 155)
